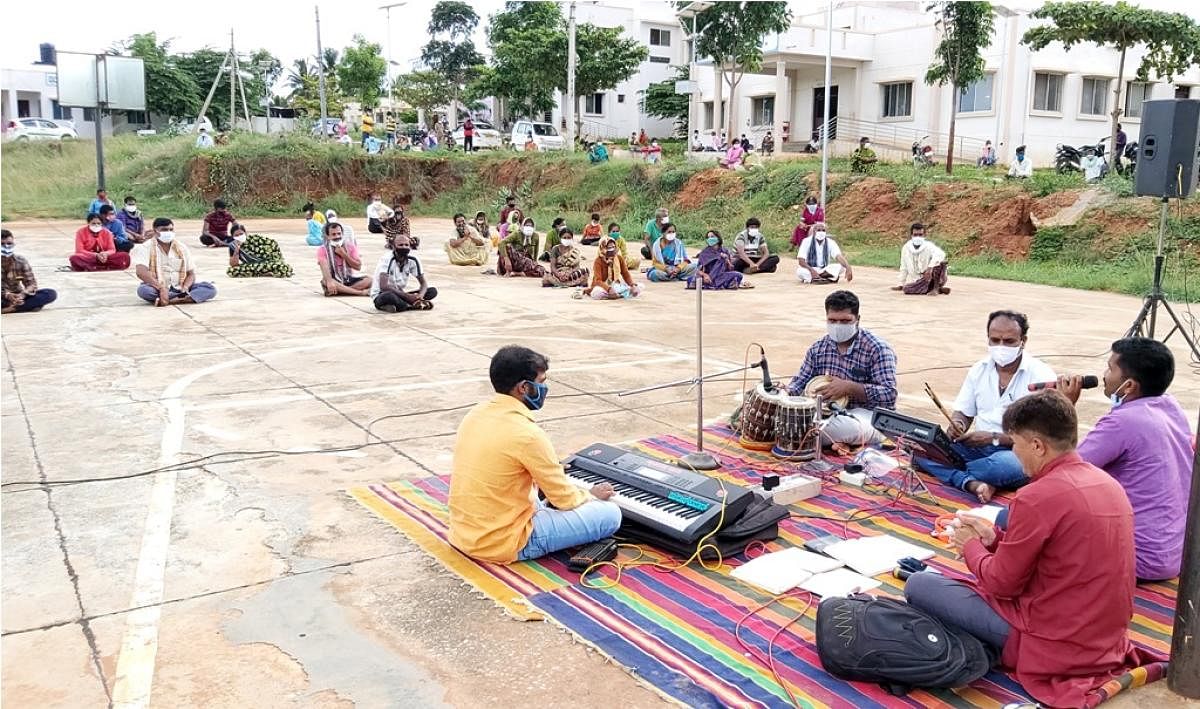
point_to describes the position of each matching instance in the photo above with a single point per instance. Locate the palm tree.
(300, 76)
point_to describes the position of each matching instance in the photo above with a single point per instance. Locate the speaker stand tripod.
(1147, 319)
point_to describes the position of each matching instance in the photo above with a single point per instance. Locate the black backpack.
(867, 639)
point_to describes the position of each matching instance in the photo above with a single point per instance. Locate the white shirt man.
(204, 140)
(917, 256)
(820, 258)
(1092, 166)
(378, 210)
(1021, 166)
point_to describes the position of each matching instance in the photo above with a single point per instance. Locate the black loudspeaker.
(1168, 162)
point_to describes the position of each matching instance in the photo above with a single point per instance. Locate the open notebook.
(871, 556)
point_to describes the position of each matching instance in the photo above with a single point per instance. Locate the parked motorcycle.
(1126, 167)
(1067, 158)
(922, 153)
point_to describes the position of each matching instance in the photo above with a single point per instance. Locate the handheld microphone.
(762, 363)
(1089, 381)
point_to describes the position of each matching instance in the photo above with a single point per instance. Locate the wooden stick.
(938, 403)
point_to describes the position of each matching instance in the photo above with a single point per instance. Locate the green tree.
(523, 69)
(661, 101)
(170, 91)
(260, 72)
(1172, 39)
(450, 50)
(603, 59)
(425, 90)
(731, 34)
(361, 71)
(958, 59)
(204, 66)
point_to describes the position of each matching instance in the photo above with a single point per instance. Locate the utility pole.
(321, 72)
(232, 83)
(823, 131)
(1183, 676)
(570, 103)
(99, 127)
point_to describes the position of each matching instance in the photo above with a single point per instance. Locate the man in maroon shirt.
(215, 231)
(1054, 590)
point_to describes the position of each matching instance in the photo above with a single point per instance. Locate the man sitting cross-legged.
(1054, 590)
(21, 292)
(500, 457)
(391, 277)
(991, 386)
(339, 262)
(164, 266)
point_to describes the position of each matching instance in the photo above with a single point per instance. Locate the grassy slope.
(44, 181)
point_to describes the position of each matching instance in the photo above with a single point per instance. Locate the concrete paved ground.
(256, 580)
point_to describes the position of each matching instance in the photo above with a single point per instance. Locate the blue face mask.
(537, 401)
(713, 241)
(1116, 399)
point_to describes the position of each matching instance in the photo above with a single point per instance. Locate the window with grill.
(978, 96)
(1047, 92)
(660, 38)
(593, 104)
(762, 111)
(897, 100)
(1094, 98)
(1136, 93)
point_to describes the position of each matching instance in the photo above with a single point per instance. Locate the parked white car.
(486, 136)
(40, 129)
(545, 136)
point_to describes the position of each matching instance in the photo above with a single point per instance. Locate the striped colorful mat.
(675, 631)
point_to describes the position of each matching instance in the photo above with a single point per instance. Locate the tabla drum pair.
(778, 422)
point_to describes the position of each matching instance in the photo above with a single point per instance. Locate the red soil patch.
(1051, 204)
(610, 206)
(705, 185)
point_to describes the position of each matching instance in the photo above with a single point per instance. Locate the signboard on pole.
(106, 80)
(686, 87)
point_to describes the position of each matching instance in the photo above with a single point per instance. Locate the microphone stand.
(1156, 298)
(700, 459)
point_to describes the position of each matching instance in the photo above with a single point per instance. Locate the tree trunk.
(1116, 112)
(733, 112)
(718, 91)
(950, 142)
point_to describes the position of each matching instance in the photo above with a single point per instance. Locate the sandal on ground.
(422, 305)
(745, 285)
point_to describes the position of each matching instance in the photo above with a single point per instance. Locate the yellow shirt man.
(501, 457)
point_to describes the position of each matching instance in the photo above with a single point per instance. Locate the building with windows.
(880, 53)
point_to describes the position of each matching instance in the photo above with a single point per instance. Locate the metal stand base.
(698, 461)
(1147, 319)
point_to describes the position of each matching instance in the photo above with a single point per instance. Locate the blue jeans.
(558, 529)
(995, 465)
(957, 604)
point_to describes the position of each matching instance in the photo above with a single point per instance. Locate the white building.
(880, 53)
(617, 113)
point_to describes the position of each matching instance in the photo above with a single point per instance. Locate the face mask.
(666, 220)
(336, 243)
(480, 222)
(819, 236)
(670, 236)
(754, 232)
(166, 236)
(614, 234)
(332, 220)
(537, 400)
(377, 202)
(1004, 355)
(713, 241)
(811, 207)
(131, 208)
(611, 254)
(527, 230)
(6, 251)
(1116, 398)
(402, 252)
(94, 228)
(841, 332)
(918, 242)
(240, 238)
(866, 146)
(567, 242)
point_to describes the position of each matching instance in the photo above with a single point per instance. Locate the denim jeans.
(558, 529)
(995, 465)
(959, 605)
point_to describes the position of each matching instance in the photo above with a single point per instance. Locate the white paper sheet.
(839, 582)
(871, 556)
(783, 570)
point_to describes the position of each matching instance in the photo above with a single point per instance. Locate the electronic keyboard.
(677, 503)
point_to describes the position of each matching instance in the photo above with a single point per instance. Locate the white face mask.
(7, 250)
(841, 332)
(670, 236)
(811, 207)
(754, 232)
(377, 202)
(527, 230)
(240, 238)
(568, 242)
(819, 235)
(131, 208)
(666, 220)
(166, 236)
(336, 243)
(918, 241)
(94, 228)
(866, 146)
(1003, 355)
(332, 219)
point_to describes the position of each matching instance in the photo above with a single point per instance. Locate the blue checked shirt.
(870, 361)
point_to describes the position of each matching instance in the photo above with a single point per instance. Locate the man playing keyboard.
(500, 457)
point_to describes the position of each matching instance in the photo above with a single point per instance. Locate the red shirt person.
(1056, 586)
(95, 249)
(812, 214)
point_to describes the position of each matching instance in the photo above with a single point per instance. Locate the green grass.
(45, 181)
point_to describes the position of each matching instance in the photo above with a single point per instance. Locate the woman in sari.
(812, 214)
(669, 258)
(733, 156)
(632, 261)
(255, 255)
(485, 230)
(611, 278)
(518, 253)
(715, 269)
(513, 224)
(566, 263)
(466, 246)
(396, 225)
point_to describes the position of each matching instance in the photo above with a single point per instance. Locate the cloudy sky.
(286, 29)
